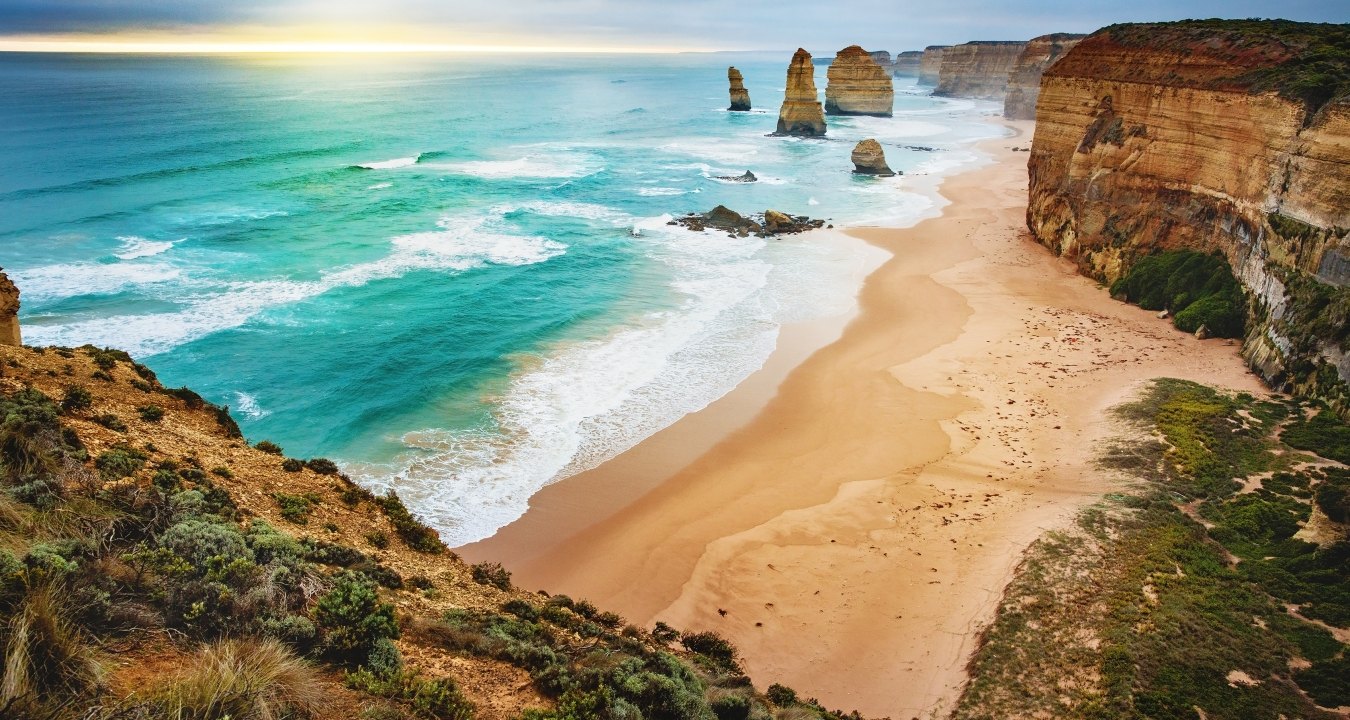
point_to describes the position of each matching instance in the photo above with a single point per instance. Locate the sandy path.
(853, 536)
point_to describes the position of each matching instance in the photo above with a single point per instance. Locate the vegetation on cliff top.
(137, 584)
(1309, 62)
(1210, 590)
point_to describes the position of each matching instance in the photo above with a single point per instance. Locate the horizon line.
(141, 47)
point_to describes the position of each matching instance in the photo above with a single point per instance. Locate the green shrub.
(664, 633)
(322, 466)
(76, 397)
(1197, 288)
(292, 465)
(222, 472)
(269, 447)
(731, 707)
(119, 462)
(352, 618)
(150, 413)
(493, 574)
(1333, 498)
(416, 535)
(521, 609)
(378, 539)
(384, 658)
(296, 508)
(781, 695)
(112, 422)
(1328, 682)
(439, 698)
(712, 646)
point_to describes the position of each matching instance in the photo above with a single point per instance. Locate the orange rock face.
(858, 85)
(907, 63)
(978, 69)
(1024, 83)
(740, 97)
(801, 113)
(1148, 138)
(9, 312)
(930, 64)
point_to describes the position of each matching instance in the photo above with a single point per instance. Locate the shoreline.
(875, 506)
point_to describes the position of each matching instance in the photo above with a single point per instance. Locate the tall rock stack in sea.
(907, 63)
(869, 159)
(801, 113)
(858, 85)
(1024, 83)
(979, 69)
(740, 97)
(930, 64)
(9, 312)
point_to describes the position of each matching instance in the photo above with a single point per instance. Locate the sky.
(658, 25)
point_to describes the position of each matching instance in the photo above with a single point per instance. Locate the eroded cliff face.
(9, 312)
(978, 69)
(858, 85)
(930, 64)
(801, 113)
(1164, 136)
(906, 64)
(1024, 82)
(740, 97)
(883, 59)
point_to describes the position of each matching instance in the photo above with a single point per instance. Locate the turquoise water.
(452, 274)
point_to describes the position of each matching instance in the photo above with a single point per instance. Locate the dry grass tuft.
(45, 656)
(242, 680)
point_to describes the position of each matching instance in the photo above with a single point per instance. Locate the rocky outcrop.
(801, 113)
(1024, 82)
(978, 69)
(883, 60)
(858, 85)
(9, 312)
(1210, 136)
(740, 97)
(735, 224)
(930, 64)
(907, 63)
(870, 159)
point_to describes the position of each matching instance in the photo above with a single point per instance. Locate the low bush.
(268, 447)
(292, 465)
(112, 422)
(486, 573)
(352, 619)
(1197, 288)
(438, 698)
(296, 508)
(76, 397)
(322, 466)
(414, 533)
(150, 413)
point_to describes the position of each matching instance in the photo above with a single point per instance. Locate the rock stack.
(907, 63)
(740, 97)
(858, 85)
(9, 312)
(801, 113)
(930, 65)
(883, 59)
(870, 159)
(978, 69)
(1024, 83)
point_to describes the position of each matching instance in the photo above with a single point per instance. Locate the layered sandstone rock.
(930, 64)
(9, 312)
(1024, 82)
(869, 159)
(740, 97)
(858, 85)
(907, 63)
(883, 59)
(801, 113)
(978, 69)
(1178, 135)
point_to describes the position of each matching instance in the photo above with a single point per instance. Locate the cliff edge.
(9, 312)
(978, 69)
(1024, 82)
(1223, 136)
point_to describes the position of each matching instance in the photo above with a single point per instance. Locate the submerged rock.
(9, 312)
(748, 177)
(858, 85)
(870, 159)
(801, 113)
(740, 97)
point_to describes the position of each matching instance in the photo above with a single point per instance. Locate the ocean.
(451, 274)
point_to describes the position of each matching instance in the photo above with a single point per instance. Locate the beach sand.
(850, 519)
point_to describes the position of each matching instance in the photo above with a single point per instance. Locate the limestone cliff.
(930, 64)
(801, 113)
(858, 85)
(978, 69)
(907, 63)
(1232, 136)
(883, 59)
(869, 159)
(1024, 82)
(740, 97)
(9, 312)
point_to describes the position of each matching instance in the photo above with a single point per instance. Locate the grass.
(241, 680)
(1141, 611)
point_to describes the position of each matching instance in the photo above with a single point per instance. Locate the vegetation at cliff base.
(1199, 591)
(1198, 289)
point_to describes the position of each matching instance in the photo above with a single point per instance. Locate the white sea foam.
(134, 247)
(54, 282)
(380, 186)
(564, 165)
(389, 164)
(460, 244)
(661, 191)
(248, 405)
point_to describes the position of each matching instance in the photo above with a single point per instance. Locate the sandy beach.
(850, 516)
